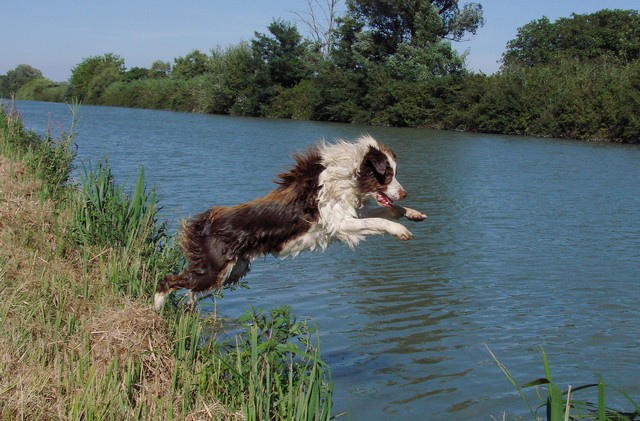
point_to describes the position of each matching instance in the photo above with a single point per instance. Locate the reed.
(125, 223)
(569, 404)
(78, 338)
(272, 344)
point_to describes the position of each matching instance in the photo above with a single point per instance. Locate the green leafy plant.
(107, 215)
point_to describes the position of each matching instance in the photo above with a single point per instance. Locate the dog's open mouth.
(383, 200)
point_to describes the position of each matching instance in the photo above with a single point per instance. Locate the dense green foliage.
(578, 77)
(283, 344)
(93, 75)
(573, 98)
(42, 89)
(612, 35)
(392, 63)
(16, 78)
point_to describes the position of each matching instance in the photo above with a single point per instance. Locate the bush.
(340, 95)
(158, 94)
(573, 99)
(299, 102)
(42, 90)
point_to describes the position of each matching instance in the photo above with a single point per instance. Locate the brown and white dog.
(317, 202)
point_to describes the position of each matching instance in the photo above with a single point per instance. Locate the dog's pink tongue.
(383, 200)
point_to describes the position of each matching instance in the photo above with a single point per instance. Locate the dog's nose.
(402, 194)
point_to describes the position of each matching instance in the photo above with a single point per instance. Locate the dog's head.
(377, 176)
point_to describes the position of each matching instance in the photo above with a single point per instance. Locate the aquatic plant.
(568, 404)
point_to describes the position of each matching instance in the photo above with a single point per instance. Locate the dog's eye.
(388, 175)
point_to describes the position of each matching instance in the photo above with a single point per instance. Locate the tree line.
(391, 63)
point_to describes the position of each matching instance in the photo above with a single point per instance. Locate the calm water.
(529, 243)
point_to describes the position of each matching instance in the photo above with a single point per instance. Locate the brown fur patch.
(375, 172)
(226, 238)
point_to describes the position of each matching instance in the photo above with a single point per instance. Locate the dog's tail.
(191, 237)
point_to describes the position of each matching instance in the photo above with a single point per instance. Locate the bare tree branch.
(320, 18)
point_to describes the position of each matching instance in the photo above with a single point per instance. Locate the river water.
(529, 244)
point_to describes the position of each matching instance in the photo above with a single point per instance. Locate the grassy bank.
(78, 338)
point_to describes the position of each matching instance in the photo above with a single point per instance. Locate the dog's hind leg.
(168, 284)
(240, 269)
(200, 280)
(195, 280)
(231, 273)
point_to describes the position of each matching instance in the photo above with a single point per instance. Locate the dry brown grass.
(63, 329)
(133, 333)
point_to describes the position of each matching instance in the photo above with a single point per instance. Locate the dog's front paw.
(414, 215)
(402, 233)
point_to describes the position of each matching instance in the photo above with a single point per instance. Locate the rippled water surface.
(529, 243)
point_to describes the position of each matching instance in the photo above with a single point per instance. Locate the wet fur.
(314, 204)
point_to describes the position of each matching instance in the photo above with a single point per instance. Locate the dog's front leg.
(412, 214)
(369, 226)
(394, 211)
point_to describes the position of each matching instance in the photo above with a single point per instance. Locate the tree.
(16, 78)
(610, 34)
(389, 23)
(160, 69)
(194, 64)
(413, 64)
(281, 55)
(320, 18)
(90, 77)
(136, 73)
(229, 83)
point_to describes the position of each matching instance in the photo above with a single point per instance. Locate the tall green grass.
(569, 404)
(272, 344)
(272, 369)
(125, 222)
(108, 214)
(51, 158)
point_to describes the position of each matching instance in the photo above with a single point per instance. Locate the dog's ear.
(378, 161)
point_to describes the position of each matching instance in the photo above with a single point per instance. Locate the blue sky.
(55, 35)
